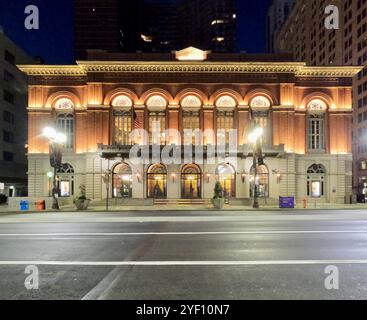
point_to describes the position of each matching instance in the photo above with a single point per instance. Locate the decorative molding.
(85, 67)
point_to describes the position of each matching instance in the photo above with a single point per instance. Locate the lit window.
(225, 123)
(316, 128)
(123, 127)
(363, 165)
(217, 22)
(65, 123)
(64, 104)
(146, 38)
(157, 126)
(191, 125)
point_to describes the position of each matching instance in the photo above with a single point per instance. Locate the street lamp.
(56, 140)
(254, 138)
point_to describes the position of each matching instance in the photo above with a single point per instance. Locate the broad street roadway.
(184, 255)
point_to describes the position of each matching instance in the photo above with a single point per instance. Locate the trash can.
(40, 205)
(24, 205)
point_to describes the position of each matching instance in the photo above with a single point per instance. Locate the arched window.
(316, 181)
(157, 181)
(260, 111)
(262, 181)
(122, 116)
(65, 180)
(316, 125)
(226, 175)
(191, 182)
(122, 181)
(225, 118)
(157, 119)
(65, 124)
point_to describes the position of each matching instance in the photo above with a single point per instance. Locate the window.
(8, 156)
(316, 181)
(123, 127)
(65, 123)
(224, 125)
(157, 126)
(8, 136)
(363, 165)
(8, 117)
(191, 122)
(316, 132)
(262, 120)
(9, 57)
(8, 96)
(8, 77)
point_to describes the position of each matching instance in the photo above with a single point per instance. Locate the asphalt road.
(265, 258)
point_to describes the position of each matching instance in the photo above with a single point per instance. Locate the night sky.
(54, 40)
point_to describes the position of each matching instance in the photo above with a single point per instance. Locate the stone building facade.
(306, 114)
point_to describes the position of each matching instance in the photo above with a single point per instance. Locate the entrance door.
(191, 182)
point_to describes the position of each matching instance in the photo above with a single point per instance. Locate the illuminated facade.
(306, 114)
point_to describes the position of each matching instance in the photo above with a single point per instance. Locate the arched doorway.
(157, 181)
(226, 175)
(65, 180)
(122, 180)
(316, 181)
(262, 181)
(191, 182)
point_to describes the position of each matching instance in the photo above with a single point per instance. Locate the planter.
(82, 204)
(218, 203)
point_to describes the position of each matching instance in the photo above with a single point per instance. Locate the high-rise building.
(306, 36)
(154, 26)
(13, 119)
(96, 26)
(278, 13)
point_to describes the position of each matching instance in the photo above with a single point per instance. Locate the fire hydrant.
(304, 203)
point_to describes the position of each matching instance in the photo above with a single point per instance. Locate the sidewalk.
(191, 208)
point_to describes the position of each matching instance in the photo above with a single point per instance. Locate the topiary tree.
(82, 192)
(218, 191)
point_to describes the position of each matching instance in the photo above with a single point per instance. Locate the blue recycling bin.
(24, 205)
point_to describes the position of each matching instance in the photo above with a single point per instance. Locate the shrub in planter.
(81, 202)
(218, 199)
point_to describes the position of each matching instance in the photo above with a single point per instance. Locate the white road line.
(102, 234)
(182, 263)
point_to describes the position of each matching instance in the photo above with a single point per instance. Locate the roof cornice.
(85, 67)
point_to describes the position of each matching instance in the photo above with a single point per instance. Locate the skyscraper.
(305, 35)
(278, 13)
(159, 26)
(96, 26)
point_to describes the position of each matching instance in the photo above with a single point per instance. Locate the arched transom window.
(122, 101)
(156, 101)
(226, 102)
(260, 102)
(191, 101)
(64, 104)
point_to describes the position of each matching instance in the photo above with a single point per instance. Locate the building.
(305, 113)
(278, 13)
(154, 26)
(13, 119)
(96, 26)
(305, 35)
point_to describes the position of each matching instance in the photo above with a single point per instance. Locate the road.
(186, 255)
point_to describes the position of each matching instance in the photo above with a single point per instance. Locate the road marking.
(178, 233)
(181, 263)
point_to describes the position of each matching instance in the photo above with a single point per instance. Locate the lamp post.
(253, 138)
(107, 180)
(56, 140)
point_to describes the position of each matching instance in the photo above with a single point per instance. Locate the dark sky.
(54, 40)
